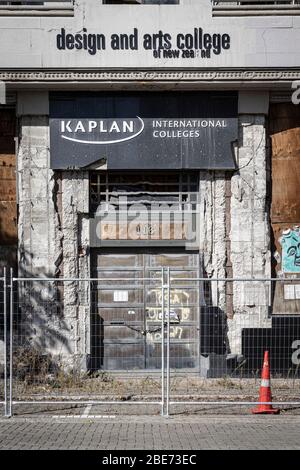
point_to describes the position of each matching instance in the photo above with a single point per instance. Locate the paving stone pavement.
(157, 433)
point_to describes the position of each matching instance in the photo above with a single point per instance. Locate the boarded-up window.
(8, 207)
(284, 126)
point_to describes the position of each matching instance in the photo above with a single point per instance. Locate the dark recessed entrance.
(126, 314)
(128, 257)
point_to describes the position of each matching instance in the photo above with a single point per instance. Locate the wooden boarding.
(8, 205)
(284, 127)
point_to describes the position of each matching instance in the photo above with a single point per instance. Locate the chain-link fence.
(164, 339)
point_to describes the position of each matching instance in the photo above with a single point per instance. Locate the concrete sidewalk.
(146, 432)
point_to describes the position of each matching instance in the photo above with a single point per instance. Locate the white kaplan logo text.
(102, 128)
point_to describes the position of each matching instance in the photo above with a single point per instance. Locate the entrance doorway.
(126, 309)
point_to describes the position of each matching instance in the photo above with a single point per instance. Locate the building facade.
(137, 136)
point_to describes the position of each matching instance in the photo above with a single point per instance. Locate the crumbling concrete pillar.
(75, 230)
(42, 325)
(53, 242)
(250, 231)
(213, 231)
(38, 219)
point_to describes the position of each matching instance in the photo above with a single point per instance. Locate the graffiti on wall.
(290, 244)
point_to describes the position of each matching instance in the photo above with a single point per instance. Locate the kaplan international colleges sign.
(154, 130)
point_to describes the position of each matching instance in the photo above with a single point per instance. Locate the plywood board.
(284, 127)
(8, 223)
(8, 206)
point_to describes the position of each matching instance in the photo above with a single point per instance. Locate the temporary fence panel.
(157, 337)
(70, 347)
(234, 333)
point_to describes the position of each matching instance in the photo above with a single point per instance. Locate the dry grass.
(37, 374)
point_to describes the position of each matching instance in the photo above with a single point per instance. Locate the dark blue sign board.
(143, 130)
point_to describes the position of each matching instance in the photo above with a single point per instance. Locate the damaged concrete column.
(42, 326)
(38, 219)
(37, 225)
(213, 231)
(52, 315)
(250, 230)
(75, 230)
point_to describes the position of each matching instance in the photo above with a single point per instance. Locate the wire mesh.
(87, 340)
(163, 338)
(238, 320)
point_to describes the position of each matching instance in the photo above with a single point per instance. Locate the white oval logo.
(103, 128)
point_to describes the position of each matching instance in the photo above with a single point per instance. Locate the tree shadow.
(41, 333)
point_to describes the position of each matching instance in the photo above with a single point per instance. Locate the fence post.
(11, 342)
(5, 339)
(162, 342)
(168, 343)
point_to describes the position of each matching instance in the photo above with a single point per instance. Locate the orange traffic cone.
(265, 390)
